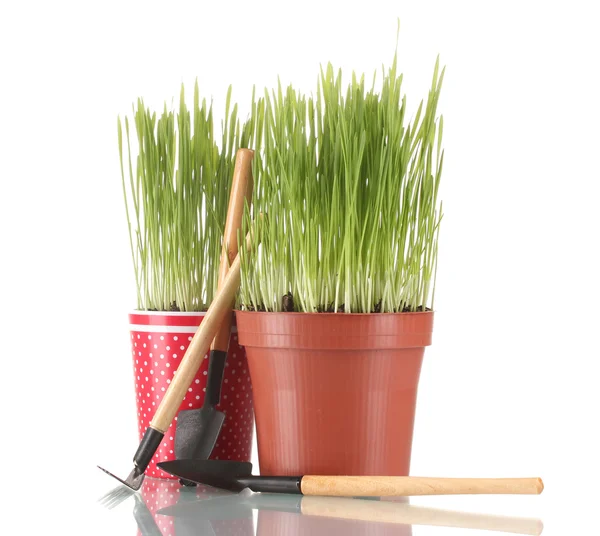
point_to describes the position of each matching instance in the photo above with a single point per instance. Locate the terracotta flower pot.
(334, 393)
(158, 342)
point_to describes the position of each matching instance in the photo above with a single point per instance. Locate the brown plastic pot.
(334, 393)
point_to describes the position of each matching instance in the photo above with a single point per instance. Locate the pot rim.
(337, 315)
(165, 313)
(335, 331)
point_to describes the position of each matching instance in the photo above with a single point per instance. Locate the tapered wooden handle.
(407, 514)
(241, 191)
(380, 486)
(198, 347)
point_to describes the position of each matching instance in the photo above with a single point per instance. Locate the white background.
(510, 385)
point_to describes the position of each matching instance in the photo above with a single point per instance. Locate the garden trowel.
(198, 429)
(236, 476)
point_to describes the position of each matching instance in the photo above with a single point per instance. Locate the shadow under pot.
(334, 393)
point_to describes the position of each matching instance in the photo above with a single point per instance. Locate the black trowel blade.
(220, 474)
(197, 432)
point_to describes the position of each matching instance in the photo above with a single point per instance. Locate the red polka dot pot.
(159, 341)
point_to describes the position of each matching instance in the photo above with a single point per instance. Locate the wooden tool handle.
(407, 514)
(198, 347)
(380, 486)
(241, 191)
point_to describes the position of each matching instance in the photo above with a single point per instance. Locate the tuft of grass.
(176, 182)
(349, 190)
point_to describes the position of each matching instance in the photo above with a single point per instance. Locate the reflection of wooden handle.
(380, 486)
(199, 344)
(241, 191)
(406, 514)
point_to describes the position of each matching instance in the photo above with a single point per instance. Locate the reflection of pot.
(292, 515)
(159, 494)
(334, 394)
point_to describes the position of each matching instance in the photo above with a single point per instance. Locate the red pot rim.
(167, 321)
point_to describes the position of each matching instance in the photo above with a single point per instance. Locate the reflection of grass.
(349, 190)
(176, 187)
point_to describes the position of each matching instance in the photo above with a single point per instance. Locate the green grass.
(176, 179)
(349, 189)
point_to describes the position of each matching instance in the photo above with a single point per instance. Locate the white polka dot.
(182, 347)
(168, 365)
(175, 338)
(174, 356)
(162, 356)
(168, 347)
(189, 338)
(191, 404)
(138, 336)
(197, 397)
(197, 381)
(149, 336)
(144, 345)
(162, 372)
(162, 338)
(151, 371)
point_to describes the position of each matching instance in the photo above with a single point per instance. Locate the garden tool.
(236, 476)
(198, 429)
(190, 363)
